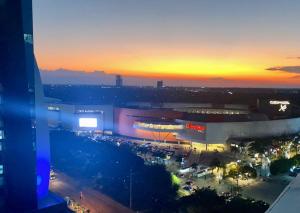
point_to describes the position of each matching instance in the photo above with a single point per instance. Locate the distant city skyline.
(77, 77)
(205, 43)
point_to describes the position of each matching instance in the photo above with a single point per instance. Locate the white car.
(202, 172)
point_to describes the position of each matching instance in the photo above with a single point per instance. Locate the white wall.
(220, 132)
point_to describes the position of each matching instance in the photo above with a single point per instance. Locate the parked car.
(188, 188)
(202, 172)
(294, 171)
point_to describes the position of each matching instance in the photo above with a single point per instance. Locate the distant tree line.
(96, 94)
(262, 145)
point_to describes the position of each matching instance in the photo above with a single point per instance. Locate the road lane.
(93, 200)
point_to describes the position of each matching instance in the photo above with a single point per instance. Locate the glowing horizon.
(205, 41)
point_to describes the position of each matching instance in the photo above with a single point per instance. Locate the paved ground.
(257, 189)
(93, 200)
(267, 192)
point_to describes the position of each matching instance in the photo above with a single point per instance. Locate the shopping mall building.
(177, 122)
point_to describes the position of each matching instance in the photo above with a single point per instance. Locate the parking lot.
(193, 170)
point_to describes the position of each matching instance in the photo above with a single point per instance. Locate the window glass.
(1, 134)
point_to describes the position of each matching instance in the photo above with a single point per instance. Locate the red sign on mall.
(198, 128)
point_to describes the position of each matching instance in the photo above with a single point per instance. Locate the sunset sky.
(252, 41)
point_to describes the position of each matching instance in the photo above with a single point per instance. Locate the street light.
(238, 174)
(131, 187)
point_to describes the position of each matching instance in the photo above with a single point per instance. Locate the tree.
(203, 200)
(160, 155)
(108, 167)
(261, 145)
(248, 171)
(194, 165)
(296, 160)
(178, 158)
(239, 204)
(281, 166)
(206, 200)
(234, 149)
(233, 173)
(215, 163)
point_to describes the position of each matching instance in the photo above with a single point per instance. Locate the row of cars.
(189, 172)
(200, 171)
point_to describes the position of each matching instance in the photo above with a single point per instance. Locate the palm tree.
(215, 163)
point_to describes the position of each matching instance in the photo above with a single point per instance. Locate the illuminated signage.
(282, 105)
(282, 108)
(158, 126)
(279, 102)
(88, 122)
(89, 111)
(199, 128)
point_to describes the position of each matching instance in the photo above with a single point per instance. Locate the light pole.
(130, 189)
(238, 175)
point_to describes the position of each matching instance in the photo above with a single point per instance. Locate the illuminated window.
(28, 38)
(1, 134)
(53, 108)
(1, 169)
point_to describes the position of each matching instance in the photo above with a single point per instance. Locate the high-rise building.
(160, 84)
(1, 145)
(119, 81)
(18, 103)
(24, 142)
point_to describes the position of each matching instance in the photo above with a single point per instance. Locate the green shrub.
(249, 170)
(281, 166)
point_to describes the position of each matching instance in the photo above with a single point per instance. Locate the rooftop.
(289, 200)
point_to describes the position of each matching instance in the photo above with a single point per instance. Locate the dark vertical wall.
(17, 78)
(42, 139)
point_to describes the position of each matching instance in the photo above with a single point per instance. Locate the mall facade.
(175, 122)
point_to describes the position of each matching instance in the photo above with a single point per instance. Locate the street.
(93, 200)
